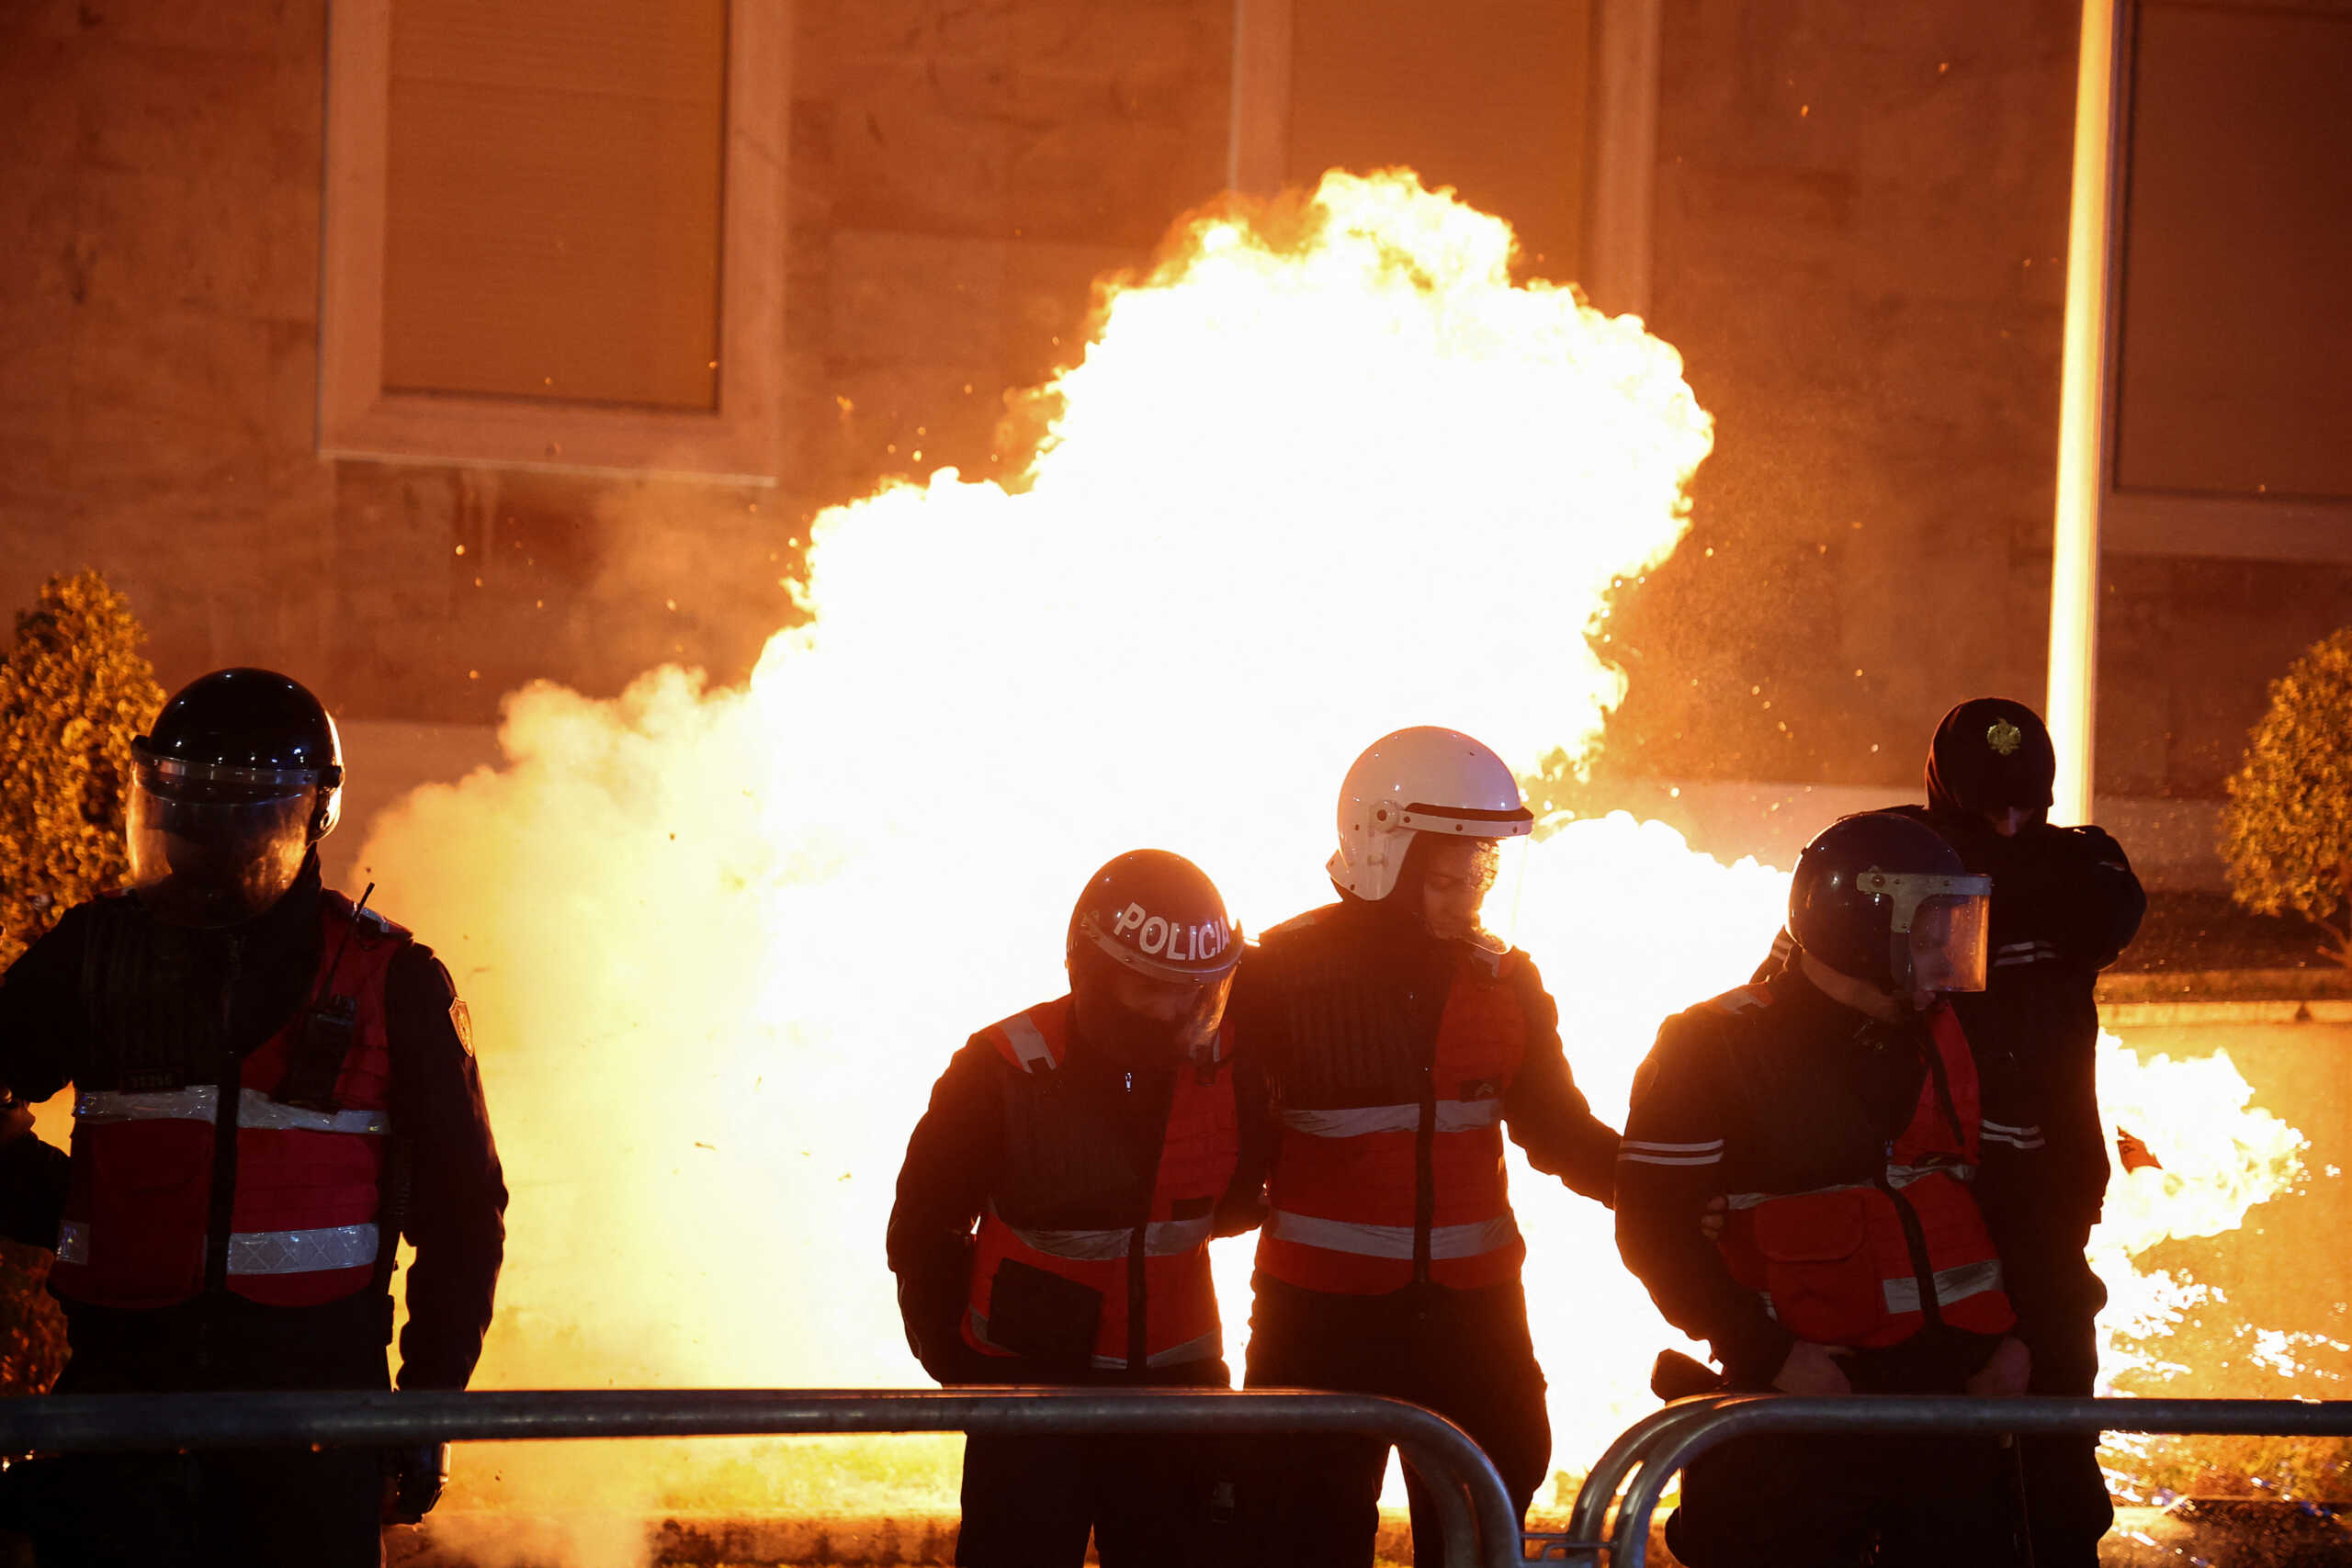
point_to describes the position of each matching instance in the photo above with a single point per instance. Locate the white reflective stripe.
(1352, 1122)
(197, 1103)
(73, 1242)
(2028, 1137)
(1079, 1247)
(255, 1108)
(1468, 1115)
(1472, 1240)
(1905, 1174)
(1161, 1239)
(1672, 1148)
(1355, 1120)
(201, 1102)
(1897, 1176)
(1028, 1043)
(1951, 1285)
(1170, 1238)
(1715, 1158)
(301, 1252)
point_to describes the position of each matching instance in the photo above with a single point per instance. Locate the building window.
(555, 234)
(1562, 143)
(2233, 348)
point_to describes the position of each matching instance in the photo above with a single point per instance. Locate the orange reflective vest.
(1150, 1272)
(308, 1193)
(1869, 1264)
(1348, 1188)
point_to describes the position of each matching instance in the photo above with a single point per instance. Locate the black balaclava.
(1991, 753)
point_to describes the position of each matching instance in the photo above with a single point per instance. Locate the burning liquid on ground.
(719, 944)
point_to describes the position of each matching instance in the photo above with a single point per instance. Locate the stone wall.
(1859, 240)
(959, 177)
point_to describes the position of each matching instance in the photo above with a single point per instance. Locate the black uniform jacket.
(1791, 1092)
(2065, 904)
(1343, 1010)
(1075, 1148)
(224, 993)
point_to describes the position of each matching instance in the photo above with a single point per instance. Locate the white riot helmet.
(1423, 780)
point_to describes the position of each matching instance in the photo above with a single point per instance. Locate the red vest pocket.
(1820, 1270)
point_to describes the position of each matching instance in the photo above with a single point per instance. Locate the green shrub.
(2287, 832)
(75, 689)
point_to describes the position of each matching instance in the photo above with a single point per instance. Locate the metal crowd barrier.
(1654, 1449)
(1479, 1526)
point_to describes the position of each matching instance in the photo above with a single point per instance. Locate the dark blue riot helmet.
(240, 775)
(1882, 898)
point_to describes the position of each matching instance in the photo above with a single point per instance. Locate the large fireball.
(719, 944)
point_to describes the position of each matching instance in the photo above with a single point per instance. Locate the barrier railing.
(1479, 1525)
(1651, 1452)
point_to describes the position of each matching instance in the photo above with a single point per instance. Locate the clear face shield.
(1469, 888)
(215, 846)
(1182, 1015)
(1940, 925)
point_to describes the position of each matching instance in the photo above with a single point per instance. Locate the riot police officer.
(1053, 1214)
(2065, 904)
(272, 1087)
(1402, 1037)
(1882, 1192)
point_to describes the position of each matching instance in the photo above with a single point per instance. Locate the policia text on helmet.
(240, 775)
(1885, 916)
(1151, 954)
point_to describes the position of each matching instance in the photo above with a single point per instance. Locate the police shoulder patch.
(462, 1021)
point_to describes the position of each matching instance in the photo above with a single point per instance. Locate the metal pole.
(2083, 425)
(1439, 1450)
(1943, 1415)
(1257, 134)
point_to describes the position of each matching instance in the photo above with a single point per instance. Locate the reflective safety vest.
(302, 1217)
(1366, 1198)
(1869, 1264)
(1140, 1281)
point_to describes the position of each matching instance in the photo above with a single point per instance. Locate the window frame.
(740, 441)
(2149, 521)
(1621, 150)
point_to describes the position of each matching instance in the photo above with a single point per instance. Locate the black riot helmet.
(1882, 898)
(1151, 954)
(240, 775)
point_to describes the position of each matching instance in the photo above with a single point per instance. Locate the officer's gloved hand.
(413, 1477)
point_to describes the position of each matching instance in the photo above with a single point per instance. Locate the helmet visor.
(1188, 1012)
(1147, 1020)
(214, 846)
(1469, 888)
(1947, 943)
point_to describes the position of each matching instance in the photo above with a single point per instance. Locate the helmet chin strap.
(1862, 996)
